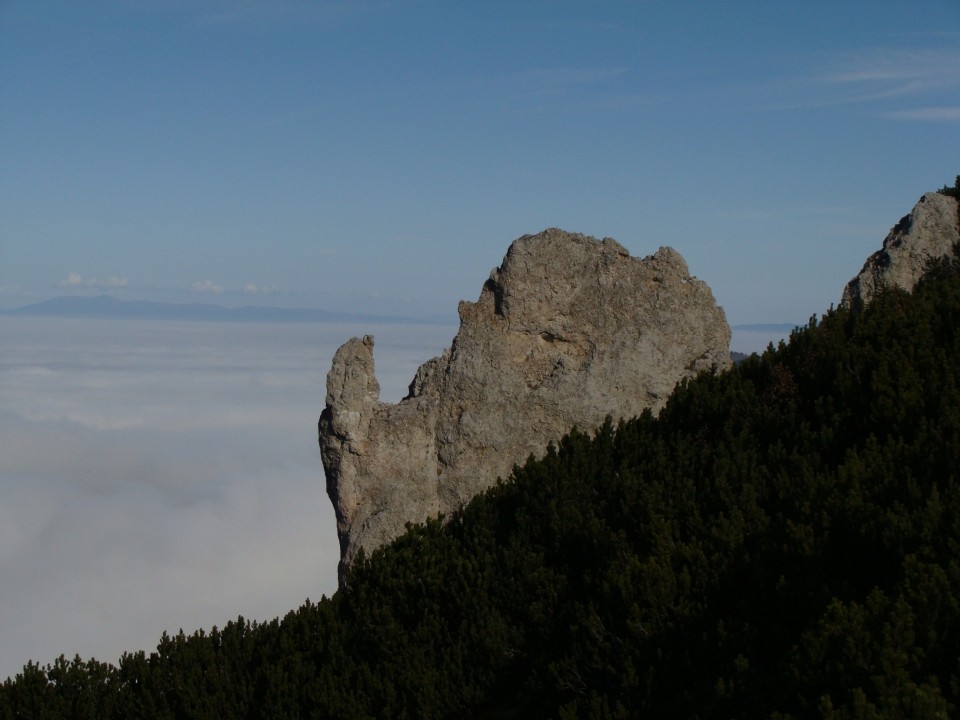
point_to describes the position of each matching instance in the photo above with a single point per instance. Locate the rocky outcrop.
(567, 331)
(930, 231)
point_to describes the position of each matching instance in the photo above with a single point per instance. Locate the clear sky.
(380, 156)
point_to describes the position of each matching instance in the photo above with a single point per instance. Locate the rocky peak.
(567, 331)
(930, 231)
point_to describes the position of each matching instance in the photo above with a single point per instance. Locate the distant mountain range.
(106, 307)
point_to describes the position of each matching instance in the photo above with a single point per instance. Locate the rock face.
(930, 231)
(567, 331)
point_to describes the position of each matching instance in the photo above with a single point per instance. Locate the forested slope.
(782, 541)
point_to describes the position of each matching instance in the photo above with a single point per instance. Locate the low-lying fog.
(165, 475)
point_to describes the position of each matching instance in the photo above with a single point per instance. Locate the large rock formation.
(930, 231)
(567, 331)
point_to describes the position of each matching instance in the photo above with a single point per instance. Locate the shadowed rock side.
(567, 331)
(930, 231)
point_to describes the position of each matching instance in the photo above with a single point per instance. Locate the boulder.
(567, 331)
(930, 231)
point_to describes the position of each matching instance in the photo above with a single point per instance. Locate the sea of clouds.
(164, 475)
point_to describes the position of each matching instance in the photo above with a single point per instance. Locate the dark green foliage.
(951, 191)
(782, 542)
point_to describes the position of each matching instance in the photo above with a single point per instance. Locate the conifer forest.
(782, 541)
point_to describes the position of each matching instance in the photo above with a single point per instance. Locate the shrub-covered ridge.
(782, 541)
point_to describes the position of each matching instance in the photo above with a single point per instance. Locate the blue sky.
(381, 156)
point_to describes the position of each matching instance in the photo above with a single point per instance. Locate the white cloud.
(206, 286)
(933, 114)
(899, 71)
(905, 84)
(76, 280)
(885, 74)
(556, 82)
(252, 289)
(166, 475)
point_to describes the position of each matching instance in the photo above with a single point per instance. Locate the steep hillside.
(782, 541)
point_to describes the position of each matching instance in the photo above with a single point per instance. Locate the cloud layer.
(76, 280)
(160, 476)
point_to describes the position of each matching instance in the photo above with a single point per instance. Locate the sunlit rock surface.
(567, 331)
(930, 231)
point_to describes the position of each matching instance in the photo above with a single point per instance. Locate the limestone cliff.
(930, 231)
(567, 331)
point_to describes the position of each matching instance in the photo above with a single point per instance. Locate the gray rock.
(567, 331)
(930, 231)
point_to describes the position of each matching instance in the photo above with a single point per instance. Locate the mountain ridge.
(780, 542)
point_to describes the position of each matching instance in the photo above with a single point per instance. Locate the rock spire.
(567, 331)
